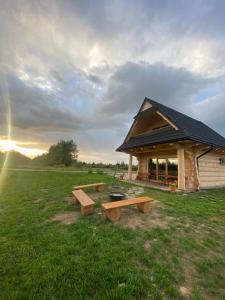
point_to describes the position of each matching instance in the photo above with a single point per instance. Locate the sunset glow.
(9, 145)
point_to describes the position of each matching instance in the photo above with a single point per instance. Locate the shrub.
(99, 172)
(90, 171)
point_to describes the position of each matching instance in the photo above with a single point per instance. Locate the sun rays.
(22, 147)
(6, 99)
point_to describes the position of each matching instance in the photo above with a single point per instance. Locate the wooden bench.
(87, 204)
(113, 209)
(99, 186)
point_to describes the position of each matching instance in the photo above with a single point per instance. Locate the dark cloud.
(81, 69)
(33, 109)
(132, 82)
(211, 111)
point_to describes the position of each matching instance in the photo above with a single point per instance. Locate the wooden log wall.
(142, 173)
(211, 172)
(181, 168)
(191, 175)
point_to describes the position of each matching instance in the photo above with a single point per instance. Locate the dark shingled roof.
(189, 129)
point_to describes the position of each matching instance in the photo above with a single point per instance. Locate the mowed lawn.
(48, 251)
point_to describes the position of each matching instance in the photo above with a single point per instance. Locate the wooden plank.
(167, 120)
(212, 173)
(166, 170)
(212, 169)
(145, 105)
(157, 169)
(79, 187)
(181, 169)
(113, 214)
(130, 167)
(166, 167)
(122, 203)
(144, 207)
(208, 160)
(212, 179)
(82, 197)
(156, 153)
(212, 184)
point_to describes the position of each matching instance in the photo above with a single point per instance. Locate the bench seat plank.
(127, 202)
(83, 198)
(113, 209)
(87, 204)
(79, 187)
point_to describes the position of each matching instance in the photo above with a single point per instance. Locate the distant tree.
(63, 153)
(41, 160)
(122, 165)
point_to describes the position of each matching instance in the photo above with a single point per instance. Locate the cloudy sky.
(81, 69)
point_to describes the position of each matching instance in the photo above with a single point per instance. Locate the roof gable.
(186, 128)
(194, 129)
(148, 118)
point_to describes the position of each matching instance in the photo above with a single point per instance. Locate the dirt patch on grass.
(67, 218)
(185, 292)
(188, 271)
(191, 278)
(47, 207)
(99, 196)
(147, 246)
(132, 218)
(37, 200)
(69, 199)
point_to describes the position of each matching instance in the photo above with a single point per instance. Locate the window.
(222, 161)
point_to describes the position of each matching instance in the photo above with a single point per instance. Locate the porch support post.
(181, 168)
(166, 171)
(130, 167)
(157, 169)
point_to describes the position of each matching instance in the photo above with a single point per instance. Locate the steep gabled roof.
(188, 129)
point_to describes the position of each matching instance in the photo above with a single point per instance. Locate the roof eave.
(172, 141)
(152, 144)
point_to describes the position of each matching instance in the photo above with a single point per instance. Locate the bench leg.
(144, 207)
(87, 210)
(113, 214)
(100, 188)
(74, 199)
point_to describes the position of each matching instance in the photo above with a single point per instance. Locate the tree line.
(63, 153)
(66, 153)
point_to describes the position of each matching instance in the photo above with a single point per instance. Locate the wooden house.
(171, 146)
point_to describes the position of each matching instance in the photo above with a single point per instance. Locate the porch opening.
(163, 171)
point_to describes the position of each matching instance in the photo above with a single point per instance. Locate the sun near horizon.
(11, 145)
(24, 148)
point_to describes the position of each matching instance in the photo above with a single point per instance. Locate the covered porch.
(148, 184)
(161, 138)
(161, 165)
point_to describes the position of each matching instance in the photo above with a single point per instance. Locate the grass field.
(48, 251)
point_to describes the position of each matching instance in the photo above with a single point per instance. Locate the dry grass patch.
(69, 199)
(37, 200)
(147, 246)
(67, 218)
(188, 271)
(132, 218)
(48, 206)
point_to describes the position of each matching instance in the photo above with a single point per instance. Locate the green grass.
(95, 259)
